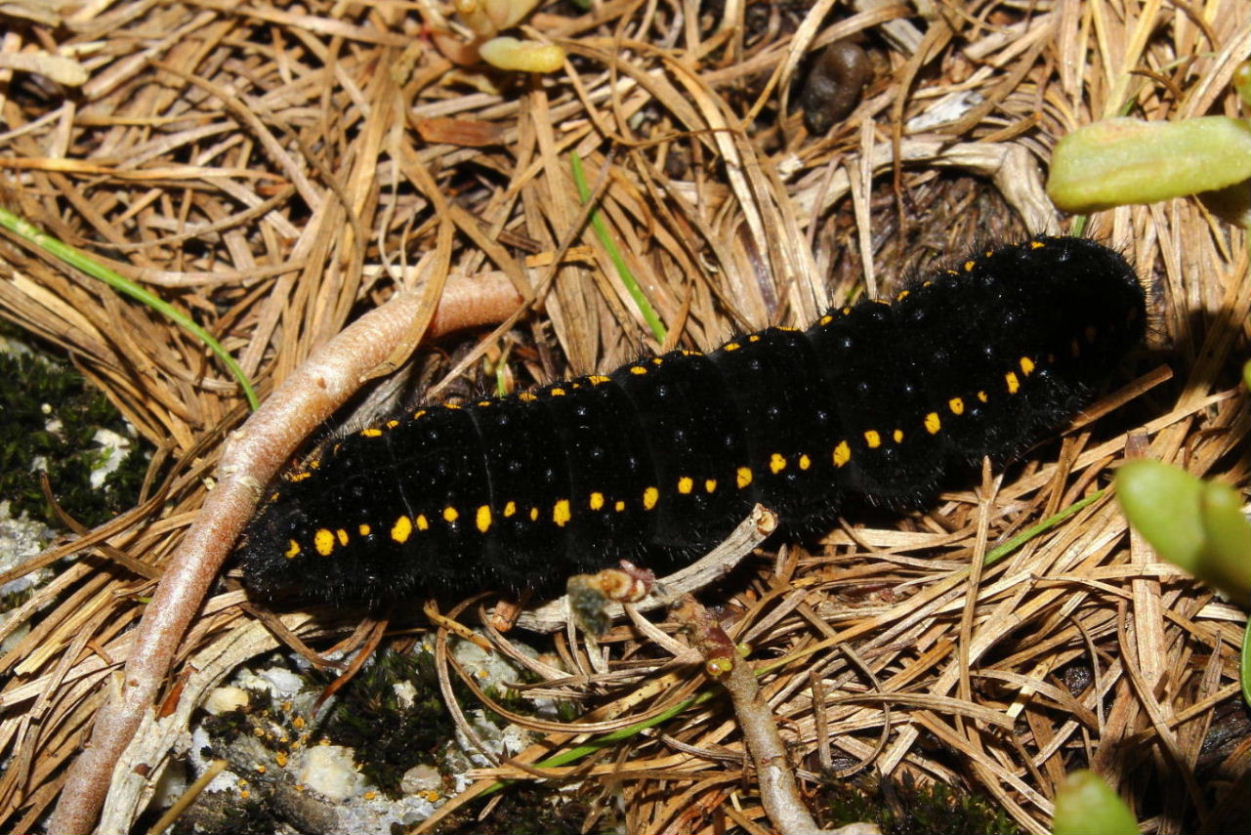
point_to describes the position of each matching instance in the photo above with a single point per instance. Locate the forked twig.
(778, 790)
(252, 456)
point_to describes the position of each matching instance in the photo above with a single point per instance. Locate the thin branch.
(778, 790)
(251, 458)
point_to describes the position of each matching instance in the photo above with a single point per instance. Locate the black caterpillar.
(659, 460)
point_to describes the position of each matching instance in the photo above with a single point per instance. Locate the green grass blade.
(575, 754)
(614, 253)
(121, 284)
(996, 554)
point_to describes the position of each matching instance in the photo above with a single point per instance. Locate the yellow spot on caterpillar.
(638, 369)
(846, 311)
(1014, 383)
(299, 476)
(1027, 366)
(842, 454)
(755, 337)
(342, 536)
(372, 432)
(323, 541)
(873, 439)
(391, 424)
(419, 414)
(619, 506)
(452, 406)
(597, 501)
(527, 396)
(510, 509)
(804, 462)
(650, 496)
(903, 295)
(600, 379)
(826, 319)
(686, 484)
(658, 361)
(788, 329)
(484, 403)
(402, 529)
(484, 518)
(561, 514)
(969, 265)
(933, 423)
(364, 530)
(293, 550)
(710, 486)
(956, 404)
(983, 396)
(534, 514)
(743, 477)
(898, 435)
(558, 392)
(776, 463)
(423, 524)
(732, 346)
(1036, 244)
(450, 514)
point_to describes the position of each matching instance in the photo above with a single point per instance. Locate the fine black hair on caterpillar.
(660, 459)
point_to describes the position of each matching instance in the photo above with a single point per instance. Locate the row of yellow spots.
(325, 540)
(932, 423)
(525, 396)
(971, 264)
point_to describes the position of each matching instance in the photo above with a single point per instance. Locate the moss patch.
(530, 810)
(903, 806)
(52, 415)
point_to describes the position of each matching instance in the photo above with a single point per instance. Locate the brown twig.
(251, 458)
(778, 790)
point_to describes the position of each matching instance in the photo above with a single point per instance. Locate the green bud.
(1085, 805)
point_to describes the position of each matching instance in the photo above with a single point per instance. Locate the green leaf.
(1245, 663)
(1085, 805)
(1242, 82)
(1121, 161)
(1196, 525)
(1225, 561)
(1162, 503)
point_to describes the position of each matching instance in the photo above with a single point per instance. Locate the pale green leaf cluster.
(1086, 805)
(1194, 524)
(1121, 161)
(1118, 162)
